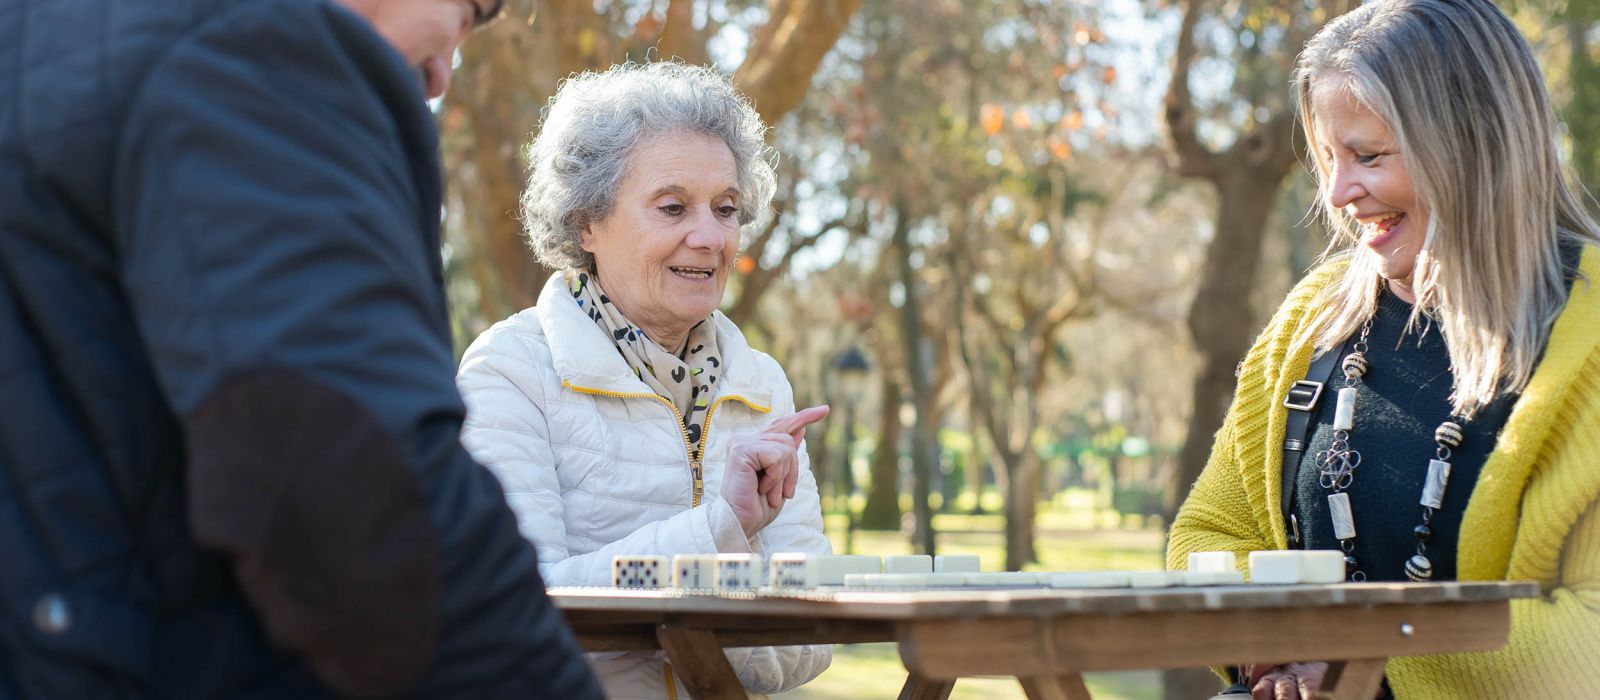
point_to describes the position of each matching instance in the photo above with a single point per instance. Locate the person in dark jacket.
(229, 456)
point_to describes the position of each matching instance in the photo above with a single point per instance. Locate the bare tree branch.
(785, 52)
(678, 37)
(1191, 158)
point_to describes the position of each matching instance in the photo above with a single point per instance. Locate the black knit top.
(1403, 397)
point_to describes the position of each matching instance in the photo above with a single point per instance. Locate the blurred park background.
(1019, 245)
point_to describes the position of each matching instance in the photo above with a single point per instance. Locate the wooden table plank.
(1082, 642)
(1067, 687)
(697, 660)
(746, 632)
(1357, 679)
(925, 689)
(634, 604)
(1046, 637)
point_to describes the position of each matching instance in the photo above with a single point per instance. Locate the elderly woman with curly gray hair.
(623, 414)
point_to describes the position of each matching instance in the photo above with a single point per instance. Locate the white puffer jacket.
(595, 464)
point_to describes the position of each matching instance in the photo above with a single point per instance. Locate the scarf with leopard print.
(687, 377)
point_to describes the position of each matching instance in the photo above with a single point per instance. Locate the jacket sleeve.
(276, 196)
(798, 528)
(507, 430)
(1554, 639)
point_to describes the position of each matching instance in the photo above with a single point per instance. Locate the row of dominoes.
(1205, 569)
(1277, 566)
(1045, 579)
(788, 570)
(796, 570)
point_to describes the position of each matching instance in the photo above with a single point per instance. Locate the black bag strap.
(1302, 402)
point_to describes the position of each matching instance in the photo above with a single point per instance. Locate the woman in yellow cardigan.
(1458, 307)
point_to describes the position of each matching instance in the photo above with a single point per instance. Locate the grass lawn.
(874, 671)
(1072, 536)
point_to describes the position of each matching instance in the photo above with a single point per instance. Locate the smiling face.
(426, 32)
(664, 251)
(1366, 176)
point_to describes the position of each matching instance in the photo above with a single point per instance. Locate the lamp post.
(850, 370)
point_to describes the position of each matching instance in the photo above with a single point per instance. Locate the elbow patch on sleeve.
(326, 523)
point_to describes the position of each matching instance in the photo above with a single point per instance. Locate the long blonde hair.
(1459, 88)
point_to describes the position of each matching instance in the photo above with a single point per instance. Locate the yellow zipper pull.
(699, 482)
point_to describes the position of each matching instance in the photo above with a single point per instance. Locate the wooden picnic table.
(1047, 638)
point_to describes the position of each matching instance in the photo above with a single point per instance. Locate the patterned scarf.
(686, 378)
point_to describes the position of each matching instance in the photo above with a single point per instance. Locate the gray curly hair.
(591, 128)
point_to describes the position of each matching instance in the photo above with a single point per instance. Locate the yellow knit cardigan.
(1533, 514)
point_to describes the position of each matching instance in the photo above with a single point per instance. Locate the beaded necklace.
(1336, 468)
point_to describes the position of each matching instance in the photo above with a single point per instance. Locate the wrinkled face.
(426, 32)
(1367, 178)
(665, 250)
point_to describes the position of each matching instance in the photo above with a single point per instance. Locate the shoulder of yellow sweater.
(1577, 328)
(1272, 345)
(1295, 306)
(1580, 319)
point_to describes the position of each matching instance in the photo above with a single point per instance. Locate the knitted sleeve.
(1216, 516)
(1232, 506)
(1555, 640)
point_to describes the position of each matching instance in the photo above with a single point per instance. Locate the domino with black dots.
(639, 571)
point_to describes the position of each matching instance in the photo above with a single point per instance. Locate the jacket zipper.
(695, 465)
(694, 453)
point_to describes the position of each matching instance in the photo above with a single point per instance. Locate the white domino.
(908, 564)
(903, 581)
(831, 569)
(1089, 579)
(638, 571)
(1279, 567)
(1209, 562)
(694, 571)
(792, 570)
(1212, 578)
(956, 564)
(739, 571)
(1322, 566)
(1155, 579)
(1003, 579)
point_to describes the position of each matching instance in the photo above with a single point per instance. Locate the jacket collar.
(585, 358)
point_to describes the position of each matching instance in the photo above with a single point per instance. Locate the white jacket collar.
(586, 359)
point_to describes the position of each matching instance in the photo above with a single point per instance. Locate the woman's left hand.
(764, 468)
(1292, 681)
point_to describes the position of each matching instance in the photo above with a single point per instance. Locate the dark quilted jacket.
(229, 463)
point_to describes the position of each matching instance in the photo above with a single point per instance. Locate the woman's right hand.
(764, 467)
(1292, 681)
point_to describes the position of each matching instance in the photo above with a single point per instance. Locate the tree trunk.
(977, 460)
(923, 434)
(1022, 506)
(505, 77)
(1220, 318)
(882, 510)
(1582, 113)
(820, 451)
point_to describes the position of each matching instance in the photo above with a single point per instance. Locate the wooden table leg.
(697, 660)
(1065, 687)
(1357, 679)
(917, 688)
